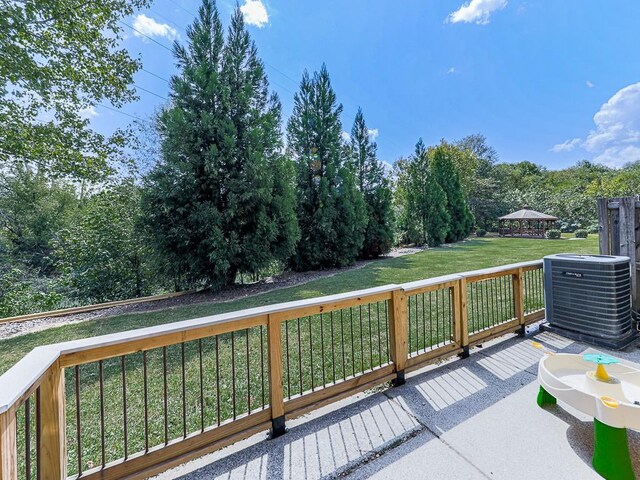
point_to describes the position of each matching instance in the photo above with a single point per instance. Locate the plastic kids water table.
(599, 386)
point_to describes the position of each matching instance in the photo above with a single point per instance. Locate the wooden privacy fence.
(132, 404)
(619, 224)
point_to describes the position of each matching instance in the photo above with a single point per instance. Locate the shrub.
(594, 228)
(481, 232)
(553, 234)
(581, 234)
(21, 294)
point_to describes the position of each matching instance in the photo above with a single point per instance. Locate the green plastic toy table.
(602, 387)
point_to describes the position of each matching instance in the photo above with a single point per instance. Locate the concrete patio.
(473, 418)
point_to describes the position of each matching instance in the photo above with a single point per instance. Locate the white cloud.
(452, 70)
(147, 26)
(476, 11)
(345, 136)
(567, 146)
(255, 13)
(88, 112)
(590, 84)
(373, 133)
(616, 137)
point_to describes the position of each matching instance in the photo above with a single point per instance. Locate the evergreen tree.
(220, 202)
(427, 202)
(330, 209)
(374, 185)
(445, 174)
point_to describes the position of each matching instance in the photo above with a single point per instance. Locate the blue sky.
(547, 81)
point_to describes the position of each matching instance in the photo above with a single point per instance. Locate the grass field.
(225, 376)
(471, 255)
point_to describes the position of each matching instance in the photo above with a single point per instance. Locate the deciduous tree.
(59, 58)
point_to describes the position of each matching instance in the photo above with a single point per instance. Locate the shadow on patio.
(470, 418)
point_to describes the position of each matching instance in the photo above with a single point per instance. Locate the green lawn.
(218, 378)
(470, 255)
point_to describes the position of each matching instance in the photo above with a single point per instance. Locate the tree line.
(218, 189)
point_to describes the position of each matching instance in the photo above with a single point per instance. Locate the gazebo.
(525, 223)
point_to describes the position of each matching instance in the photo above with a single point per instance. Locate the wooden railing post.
(276, 393)
(8, 446)
(398, 333)
(518, 298)
(52, 435)
(461, 316)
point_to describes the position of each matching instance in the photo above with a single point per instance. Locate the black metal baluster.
(311, 353)
(124, 406)
(445, 309)
(27, 438)
(218, 413)
(416, 350)
(437, 321)
(184, 391)
(343, 346)
(248, 375)
(424, 324)
(166, 402)
(38, 436)
(481, 319)
(233, 373)
(102, 432)
(201, 385)
(489, 302)
(494, 306)
(499, 299)
(541, 283)
(511, 297)
(508, 304)
(370, 337)
(387, 327)
(333, 352)
(451, 314)
(300, 356)
(380, 362)
(324, 380)
(472, 310)
(410, 348)
(353, 350)
(79, 441)
(286, 335)
(262, 363)
(146, 400)
(361, 339)
(431, 319)
(497, 294)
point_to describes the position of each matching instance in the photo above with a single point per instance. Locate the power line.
(146, 36)
(182, 8)
(349, 117)
(154, 74)
(124, 113)
(150, 92)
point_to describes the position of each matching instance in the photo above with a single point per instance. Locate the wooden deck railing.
(135, 403)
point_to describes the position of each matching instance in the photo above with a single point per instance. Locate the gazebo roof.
(526, 214)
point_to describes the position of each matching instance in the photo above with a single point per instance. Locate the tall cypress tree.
(220, 202)
(330, 209)
(445, 174)
(374, 185)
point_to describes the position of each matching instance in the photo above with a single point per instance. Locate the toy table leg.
(611, 452)
(545, 398)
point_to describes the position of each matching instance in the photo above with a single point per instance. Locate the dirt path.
(286, 280)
